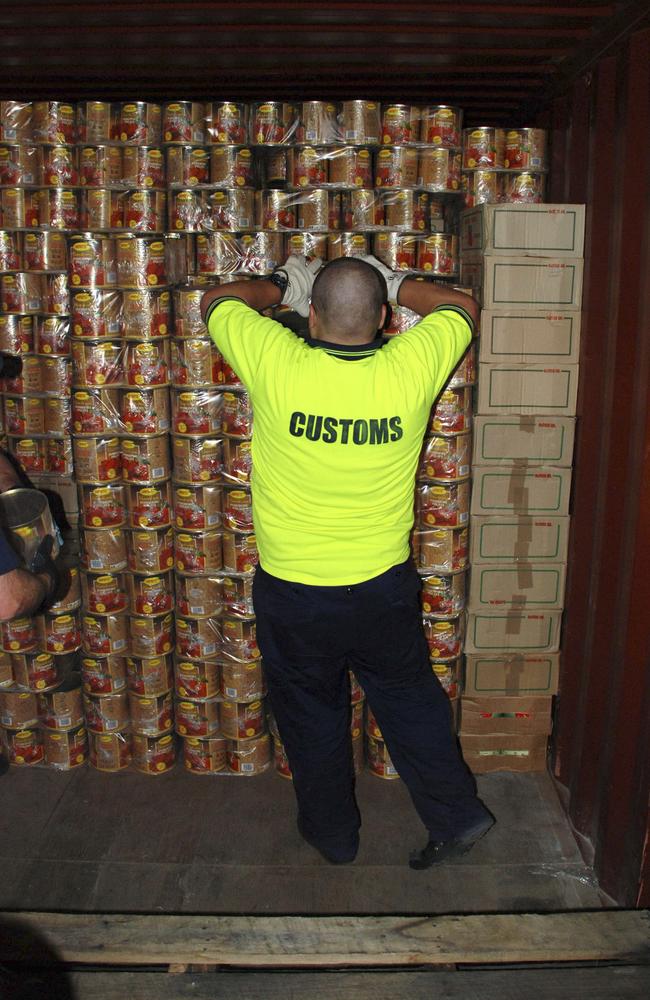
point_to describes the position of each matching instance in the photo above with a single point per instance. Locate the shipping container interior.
(576, 835)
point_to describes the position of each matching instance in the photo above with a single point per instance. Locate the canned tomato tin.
(22, 292)
(150, 551)
(58, 166)
(439, 169)
(140, 261)
(346, 245)
(97, 363)
(205, 755)
(216, 253)
(11, 250)
(227, 121)
(145, 211)
(444, 637)
(104, 593)
(109, 751)
(443, 505)
(320, 210)
(145, 411)
(198, 553)
(104, 549)
(438, 254)
(197, 508)
(273, 122)
(307, 166)
(445, 458)
(153, 754)
(272, 165)
(46, 251)
(97, 460)
(151, 635)
(95, 412)
(147, 364)
(18, 709)
(58, 456)
(197, 716)
(199, 595)
(361, 121)
(307, 245)
(92, 261)
(524, 187)
(62, 708)
(149, 506)
(187, 211)
(100, 166)
(150, 594)
(18, 164)
(102, 506)
(151, 715)
(400, 123)
(198, 411)
(396, 167)
(29, 453)
(101, 208)
(276, 210)
(53, 337)
(379, 762)
(238, 595)
(197, 638)
(483, 147)
(197, 678)
(188, 166)
(145, 460)
(6, 671)
(441, 125)
(104, 634)
(183, 121)
(20, 208)
(237, 509)
(396, 250)
(228, 374)
(96, 313)
(317, 122)
(231, 166)
(525, 149)
(55, 294)
(19, 635)
(356, 691)
(71, 600)
(452, 412)
(356, 720)
(249, 757)
(24, 415)
(242, 720)
(239, 637)
(53, 121)
(150, 676)
(280, 759)
(65, 750)
(93, 121)
(146, 314)
(443, 594)
(16, 334)
(239, 552)
(236, 414)
(58, 208)
(405, 209)
(195, 362)
(441, 550)
(372, 726)
(197, 460)
(137, 122)
(262, 252)
(58, 633)
(465, 372)
(242, 682)
(143, 167)
(229, 209)
(35, 671)
(103, 674)
(15, 121)
(24, 746)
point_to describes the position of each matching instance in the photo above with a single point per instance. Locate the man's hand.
(393, 279)
(300, 276)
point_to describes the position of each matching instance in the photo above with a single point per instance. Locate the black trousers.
(309, 637)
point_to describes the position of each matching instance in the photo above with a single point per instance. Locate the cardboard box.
(529, 336)
(526, 631)
(512, 714)
(524, 230)
(511, 674)
(528, 389)
(519, 538)
(542, 490)
(530, 282)
(505, 439)
(484, 754)
(517, 585)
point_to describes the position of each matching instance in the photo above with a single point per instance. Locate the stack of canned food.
(504, 165)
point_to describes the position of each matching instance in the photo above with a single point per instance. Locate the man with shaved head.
(339, 420)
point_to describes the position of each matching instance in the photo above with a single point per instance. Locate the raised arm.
(290, 285)
(423, 297)
(259, 295)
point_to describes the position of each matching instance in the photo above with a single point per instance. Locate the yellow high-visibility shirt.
(336, 438)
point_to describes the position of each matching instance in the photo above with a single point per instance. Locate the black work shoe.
(340, 855)
(438, 851)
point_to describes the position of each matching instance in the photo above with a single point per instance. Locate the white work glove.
(300, 276)
(393, 278)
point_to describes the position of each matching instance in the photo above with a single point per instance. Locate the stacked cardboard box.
(525, 264)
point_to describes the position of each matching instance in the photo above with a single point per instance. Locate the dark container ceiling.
(501, 62)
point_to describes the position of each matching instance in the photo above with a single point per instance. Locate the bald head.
(347, 299)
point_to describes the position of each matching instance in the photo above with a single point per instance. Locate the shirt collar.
(349, 352)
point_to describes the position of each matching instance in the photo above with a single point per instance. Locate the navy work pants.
(309, 637)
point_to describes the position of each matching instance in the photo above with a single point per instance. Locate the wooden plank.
(605, 983)
(293, 942)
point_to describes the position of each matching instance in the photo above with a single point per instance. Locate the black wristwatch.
(280, 279)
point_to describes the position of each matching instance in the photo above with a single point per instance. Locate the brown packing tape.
(513, 624)
(514, 670)
(524, 538)
(524, 580)
(518, 494)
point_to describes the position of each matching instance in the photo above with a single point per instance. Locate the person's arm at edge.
(22, 593)
(259, 294)
(9, 477)
(423, 297)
